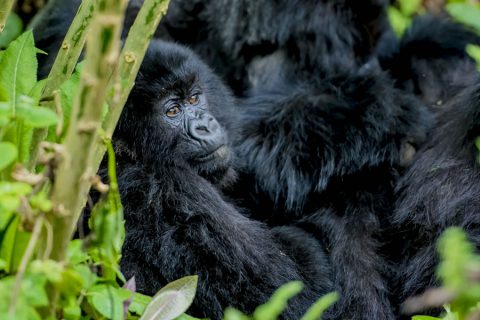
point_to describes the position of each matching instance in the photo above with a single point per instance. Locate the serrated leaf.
(172, 300)
(18, 68)
(318, 308)
(9, 153)
(13, 29)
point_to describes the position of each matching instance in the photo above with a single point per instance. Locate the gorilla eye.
(173, 111)
(193, 100)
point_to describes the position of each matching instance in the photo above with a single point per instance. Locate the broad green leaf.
(318, 308)
(36, 117)
(12, 30)
(106, 300)
(425, 318)
(172, 300)
(272, 309)
(465, 13)
(18, 68)
(33, 288)
(9, 153)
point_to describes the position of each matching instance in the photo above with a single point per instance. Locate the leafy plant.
(458, 272)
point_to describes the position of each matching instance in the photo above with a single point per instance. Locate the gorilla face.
(173, 99)
(203, 142)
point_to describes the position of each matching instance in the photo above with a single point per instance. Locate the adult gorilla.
(230, 34)
(441, 188)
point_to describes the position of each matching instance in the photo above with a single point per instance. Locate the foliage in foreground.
(459, 272)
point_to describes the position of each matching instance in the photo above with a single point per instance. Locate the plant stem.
(72, 178)
(5, 8)
(131, 58)
(23, 264)
(64, 65)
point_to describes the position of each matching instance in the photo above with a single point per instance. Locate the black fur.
(325, 155)
(439, 190)
(441, 187)
(229, 34)
(178, 222)
(430, 60)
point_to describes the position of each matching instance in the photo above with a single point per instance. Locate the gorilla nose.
(205, 129)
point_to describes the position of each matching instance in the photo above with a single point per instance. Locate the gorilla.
(230, 34)
(173, 159)
(440, 189)
(324, 154)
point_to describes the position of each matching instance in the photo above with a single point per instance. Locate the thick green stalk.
(5, 8)
(64, 64)
(73, 176)
(131, 58)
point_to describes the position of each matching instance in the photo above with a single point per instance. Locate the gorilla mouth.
(218, 153)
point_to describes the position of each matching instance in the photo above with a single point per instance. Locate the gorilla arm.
(182, 226)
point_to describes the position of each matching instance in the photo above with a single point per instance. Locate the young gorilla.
(173, 154)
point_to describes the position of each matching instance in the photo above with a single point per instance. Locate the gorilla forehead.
(168, 67)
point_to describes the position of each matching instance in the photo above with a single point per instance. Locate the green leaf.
(12, 30)
(409, 7)
(172, 300)
(139, 303)
(37, 90)
(318, 308)
(425, 318)
(474, 52)
(106, 300)
(75, 252)
(398, 21)
(278, 302)
(36, 117)
(9, 154)
(18, 68)
(465, 13)
(234, 314)
(52, 270)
